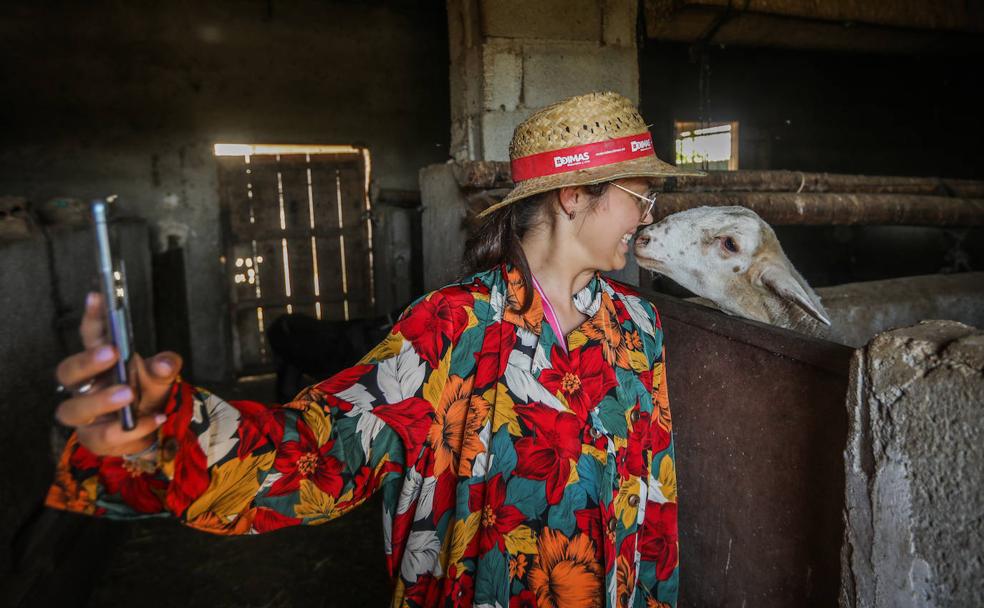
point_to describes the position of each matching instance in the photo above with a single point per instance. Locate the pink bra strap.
(550, 315)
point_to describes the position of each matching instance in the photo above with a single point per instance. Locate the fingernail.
(105, 353)
(90, 300)
(160, 419)
(163, 368)
(122, 395)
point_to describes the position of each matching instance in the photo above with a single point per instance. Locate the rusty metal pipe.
(835, 208)
(799, 181)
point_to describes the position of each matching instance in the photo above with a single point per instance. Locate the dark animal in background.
(307, 350)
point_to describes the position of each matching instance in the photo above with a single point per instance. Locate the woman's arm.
(239, 466)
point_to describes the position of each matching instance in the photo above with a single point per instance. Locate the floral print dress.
(515, 472)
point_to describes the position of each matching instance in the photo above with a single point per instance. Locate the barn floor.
(159, 563)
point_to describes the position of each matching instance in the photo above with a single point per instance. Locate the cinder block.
(502, 75)
(466, 84)
(542, 19)
(466, 137)
(497, 129)
(914, 467)
(441, 225)
(619, 23)
(554, 71)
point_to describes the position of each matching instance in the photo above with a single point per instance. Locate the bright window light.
(253, 149)
(707, 146)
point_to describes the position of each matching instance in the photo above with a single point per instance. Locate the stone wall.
(44, 286)
(510, 58)
(129, 98)
(914, 468)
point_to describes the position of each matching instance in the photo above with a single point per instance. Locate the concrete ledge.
(859, 311)
(914, 468)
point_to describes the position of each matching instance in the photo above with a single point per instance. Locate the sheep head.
(730, 256)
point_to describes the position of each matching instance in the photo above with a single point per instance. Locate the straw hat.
(579, 141)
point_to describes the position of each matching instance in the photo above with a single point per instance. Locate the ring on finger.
(82, 389)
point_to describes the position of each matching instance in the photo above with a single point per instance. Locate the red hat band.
(584, 156)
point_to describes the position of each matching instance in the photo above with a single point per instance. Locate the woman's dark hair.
(496, 238)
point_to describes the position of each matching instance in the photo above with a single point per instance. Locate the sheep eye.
(730, 244)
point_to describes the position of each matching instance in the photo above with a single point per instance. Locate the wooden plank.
(234, 213)
(324, 188)
(330, 277)
(294, 190)
(266, 198)
(251, 343)
(357, 266)
(233, 194)
(803, 181)
(293, 181)
(271, 268)
(245, 289)
(301, 268)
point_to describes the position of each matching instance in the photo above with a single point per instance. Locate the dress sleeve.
(658, 542)
(237, 467)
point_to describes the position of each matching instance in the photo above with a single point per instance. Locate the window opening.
(707, 146)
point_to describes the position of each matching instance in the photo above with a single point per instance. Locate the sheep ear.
(785, 285)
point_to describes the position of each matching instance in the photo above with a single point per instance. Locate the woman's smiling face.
(610, 224)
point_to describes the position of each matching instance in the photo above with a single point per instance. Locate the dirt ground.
(159, 563)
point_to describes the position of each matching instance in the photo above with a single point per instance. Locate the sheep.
(731, 257)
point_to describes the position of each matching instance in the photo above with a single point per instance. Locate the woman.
(516, 422)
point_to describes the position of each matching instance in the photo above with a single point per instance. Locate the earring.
(570, 215)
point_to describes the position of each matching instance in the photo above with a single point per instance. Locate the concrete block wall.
(43, 294)
(129, 99)
(512, 57)
(914, 463)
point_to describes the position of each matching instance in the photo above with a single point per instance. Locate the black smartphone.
(112, 283)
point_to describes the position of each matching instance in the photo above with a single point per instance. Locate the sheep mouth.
(648, 263)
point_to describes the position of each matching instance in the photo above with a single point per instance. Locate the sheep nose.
(642, 240)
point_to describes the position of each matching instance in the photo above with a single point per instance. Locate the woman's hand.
(94, 413)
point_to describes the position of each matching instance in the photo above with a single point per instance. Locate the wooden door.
(297, 239)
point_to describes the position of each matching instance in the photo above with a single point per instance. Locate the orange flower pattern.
(565, 573)
(517, 472)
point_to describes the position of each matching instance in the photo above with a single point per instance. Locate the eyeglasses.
(646, 203)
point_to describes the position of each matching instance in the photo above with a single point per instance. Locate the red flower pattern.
(497, 518)
(582, 377)
(490, 362)
(434, 322)
(305, 459)
(593, 521)
(142, 491)
(550, 452)
(659, 541)
(259, 425)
